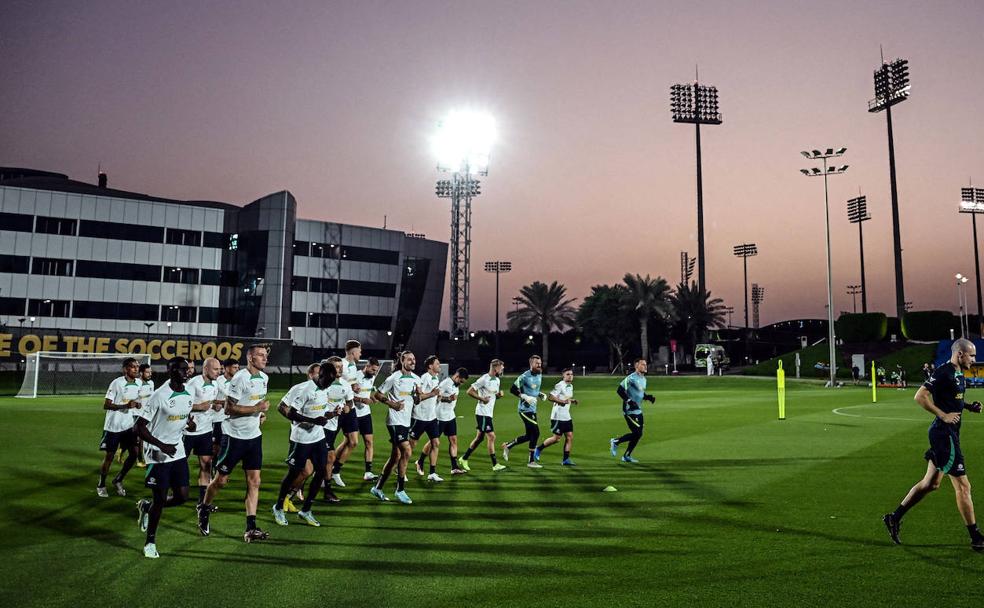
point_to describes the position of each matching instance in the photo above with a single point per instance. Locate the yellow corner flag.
(874, 384)
(781, 385)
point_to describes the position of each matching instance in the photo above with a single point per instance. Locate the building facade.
(84, 257)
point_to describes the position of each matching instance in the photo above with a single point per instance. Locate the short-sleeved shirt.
(426, 410)
(947, 386)
(635, 387)
(166, 414)
(121, 391)
(339, 393)
(248, 390)
(486, 386)
(562, 390)
(400, 387)
(221, 392)
(528, 384)
(146, 390)
(309, 401)
(202, 390)
(365, 392)
(350, 371)
(445, 409)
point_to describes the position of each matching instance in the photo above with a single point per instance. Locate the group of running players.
(217, 415)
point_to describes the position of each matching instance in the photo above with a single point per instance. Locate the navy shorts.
(217, 433)
(198, 444)
(398, 433)
(330, 436)
(232, 451)
(559, 427)
(349, 423)
(168, 475)
(300, 453)
(944, 452)
(448, 428)
(365, 425)
(420, 427)
(124, 440)
(484, 424)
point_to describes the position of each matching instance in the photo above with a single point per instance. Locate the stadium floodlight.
(972, 202)
(462, 146)
(696, 104)
(758, 296)
(853, 291)
(857, 213)
(825, 172)
(745, 251)
(498, 267)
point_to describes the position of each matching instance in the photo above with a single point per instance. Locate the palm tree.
(697, 311)
(540, 308)
(602, 317)
(647, 297)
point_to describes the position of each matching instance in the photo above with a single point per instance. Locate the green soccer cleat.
(309, 518)
(279, 516)
(464, 464)
(499, 467)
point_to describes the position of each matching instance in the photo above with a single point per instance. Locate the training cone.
(610, 489)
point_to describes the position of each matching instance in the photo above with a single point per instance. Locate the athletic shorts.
(944, 452)
(484, 424)
(232, 451)
(365, 425)
(300, 453)
(217, 433)
(398, 433)
(168, 475)
(349, 423)
(634, 421)
(530, 424)
(448, 428)
(559, 427)
(420, 427)
(330, 436)
(111, 440)
(198, 444)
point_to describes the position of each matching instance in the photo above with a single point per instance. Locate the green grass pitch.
(729, 506)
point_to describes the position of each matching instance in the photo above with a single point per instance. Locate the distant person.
(122, 398)
(527, 389)
(856, 374)
(485, 391)
(632, 391)
(710, 365)
(561, 424)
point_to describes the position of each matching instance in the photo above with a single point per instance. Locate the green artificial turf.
(728, 507)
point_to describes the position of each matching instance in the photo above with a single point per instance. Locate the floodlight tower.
(686, 267)
(745, 251)
(817, 172)
(498, 267)
(462, 145)
(853, 291)
(892, 87)
(972, 202)
(696, 104)
(857, 213)
(758, 295)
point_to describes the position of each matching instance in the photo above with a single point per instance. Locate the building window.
(174, 236)
(15, 264)
(215, 240)
(302, 248)
(299, 283)
(327, 319)
(49, 308)
(52, 267)
(234, 242)
(11, 306)
(298, 319)
(114, 310)
(376, 256)
(121, 232)
(117, 270)
(325, 250)
(225, 278)
(188, 276)
(184, 314)
(16, 222)
(54, 225)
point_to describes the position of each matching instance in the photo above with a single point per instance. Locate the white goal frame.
(29, 386)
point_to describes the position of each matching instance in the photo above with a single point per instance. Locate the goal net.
(56, 373)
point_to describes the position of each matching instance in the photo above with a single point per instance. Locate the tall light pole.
(817, 172)
(696, 104)
(961, 304)
(745, 251)
(758, 296)
(686, 267)
(498, 267)
(857, 213)
(972, 202)
(462, 145)
(891, 88)
(730, 310)
(853, 291)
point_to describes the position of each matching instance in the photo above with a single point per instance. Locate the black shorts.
(349, 423)
(123, 440)
(448, 428)
(217, 433)
(167, 475)
(634, 421)
(530, 424)
(232, 451)
(430, 427)
(330, 435)
(484, 424)
(559, 427)
(944, 452)
(365, 425)
(300, 453)
(398, 433)
(198, 444)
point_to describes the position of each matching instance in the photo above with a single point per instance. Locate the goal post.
(60, 373)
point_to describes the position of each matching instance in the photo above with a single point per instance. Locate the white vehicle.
(703, 351)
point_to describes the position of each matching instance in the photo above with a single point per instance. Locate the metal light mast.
(745, 251)
(498, 267)
(972, 202)
(758, 295)
(857, 213)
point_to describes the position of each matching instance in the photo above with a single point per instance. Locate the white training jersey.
(121, 391)
(221, 392)
(365, 392)
(166, 414)
(146, 390)
(400, 387)
(445, 409)
(248, 390)
(350, 372)
(486, 386)
(309, 401)
(202, 390)
(339, 393)
(426, 410)
(562, 390)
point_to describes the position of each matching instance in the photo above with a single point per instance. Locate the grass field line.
(839, 411)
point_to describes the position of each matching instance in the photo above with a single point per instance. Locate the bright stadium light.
(463, 142)
(972, 202)
(857, 213)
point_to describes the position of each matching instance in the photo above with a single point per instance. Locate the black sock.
(250, 522)
(335, 468)
(541, 447)
(468, 453)
(433, 469)
(532, 453)
(399, 483)
(494, 461)
(899, 512)
(368, 466)
(567, 454)
(454, 462)
(420, 460)
(102, 480)
(201, 493)
(975, 534)
(151, 537)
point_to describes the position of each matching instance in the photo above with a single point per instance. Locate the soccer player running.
(561, 424)
(425, 417)
(146, 390)
(349, 421)
(363, 399)
(122, 398)
(399, 392)
(943, 396)
(313, 371)
(527, 388)
(242, 441)
(230, 367)
(161, 423)
(447, 423)
(632, 391)
(203, 390)
(485, 391)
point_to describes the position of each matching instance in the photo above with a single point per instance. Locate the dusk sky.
(589, 179)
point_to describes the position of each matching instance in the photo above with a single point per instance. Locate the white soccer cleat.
(534, 465)
(101, 492)
(505, 452)
(336, 479)
(279, 516)
(369, 476)
(120, 490)
(150, 550)
(435, 478)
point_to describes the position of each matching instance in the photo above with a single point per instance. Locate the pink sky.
(590, 178)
